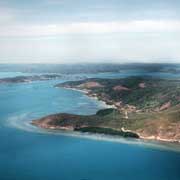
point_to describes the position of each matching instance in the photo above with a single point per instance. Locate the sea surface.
(30, 153)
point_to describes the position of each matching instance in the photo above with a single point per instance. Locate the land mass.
(144, 107)
(23, 79)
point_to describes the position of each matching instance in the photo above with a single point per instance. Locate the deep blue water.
(27, 153)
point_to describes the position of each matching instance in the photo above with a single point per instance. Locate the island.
(141, 107)
(25, 79)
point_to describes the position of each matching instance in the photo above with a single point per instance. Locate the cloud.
(6, 16)
(21, 30)
(54, 2)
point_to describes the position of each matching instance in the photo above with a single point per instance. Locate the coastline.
(155, 138)
(94, 97)
(158, 138)
(147, 143)
(103, 104)
(71, 130)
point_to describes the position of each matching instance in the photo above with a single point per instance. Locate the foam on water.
(21, 122)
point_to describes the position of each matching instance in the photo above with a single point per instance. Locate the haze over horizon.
(96, 31)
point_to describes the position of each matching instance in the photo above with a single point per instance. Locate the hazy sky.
(59, 31)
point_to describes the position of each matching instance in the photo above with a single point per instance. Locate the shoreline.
(103, 104)
(145, 143)
(70, 129)
(142, 143)
(155, 138)
(86, 92)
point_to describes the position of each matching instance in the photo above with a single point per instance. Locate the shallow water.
(29, 153)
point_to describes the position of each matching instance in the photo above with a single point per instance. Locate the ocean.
(30, 153)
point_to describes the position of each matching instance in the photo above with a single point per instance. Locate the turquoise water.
(13, 74)
(28, 153)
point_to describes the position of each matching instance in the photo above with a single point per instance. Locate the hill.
(144, 108)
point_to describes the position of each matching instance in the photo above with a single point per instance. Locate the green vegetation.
(111, 121)
(147, 107)
(104, 112)
(109, 131)
(143, 92)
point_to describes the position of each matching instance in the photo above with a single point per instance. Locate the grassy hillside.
(144, 93)
(145, 107)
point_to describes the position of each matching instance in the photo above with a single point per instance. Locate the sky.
(73, 31)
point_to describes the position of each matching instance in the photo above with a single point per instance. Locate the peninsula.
(144, 107)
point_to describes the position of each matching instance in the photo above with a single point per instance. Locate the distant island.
(24, 79)
(142, 107)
